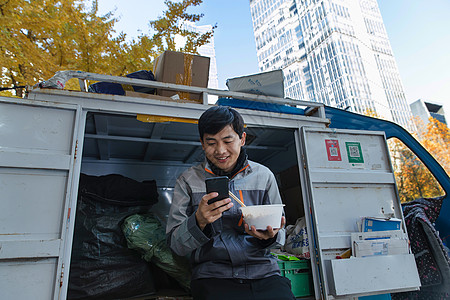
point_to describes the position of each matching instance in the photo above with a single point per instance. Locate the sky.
(418, 31)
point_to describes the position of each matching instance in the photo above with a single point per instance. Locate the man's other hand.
(264, 234)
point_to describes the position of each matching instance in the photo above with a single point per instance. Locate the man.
(229, 259)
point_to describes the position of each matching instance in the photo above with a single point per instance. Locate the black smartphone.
(219, 185)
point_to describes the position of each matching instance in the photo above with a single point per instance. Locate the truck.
(52, 136)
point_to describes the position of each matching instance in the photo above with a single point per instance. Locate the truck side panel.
(36, 155)
(347, 120)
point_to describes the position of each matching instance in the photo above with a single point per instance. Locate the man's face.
(223, 148)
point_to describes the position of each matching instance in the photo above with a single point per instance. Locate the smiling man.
(229, 260)
(223, 149)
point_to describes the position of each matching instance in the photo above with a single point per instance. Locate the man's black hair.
(216, 118)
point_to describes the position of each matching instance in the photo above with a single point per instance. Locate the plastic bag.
(119, 89)
(102, 266)
(58, 81)
(145, 234)
(297, 239)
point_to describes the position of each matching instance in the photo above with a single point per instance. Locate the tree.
(435, 137)
(414, 180)
(41, 37)
(44, 36)
(140, 53)
(171, 25)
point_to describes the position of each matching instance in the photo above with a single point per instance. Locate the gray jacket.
(223, 249)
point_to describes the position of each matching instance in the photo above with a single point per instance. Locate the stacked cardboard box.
(182, 68)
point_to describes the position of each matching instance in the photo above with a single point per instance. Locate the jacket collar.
(245, 168)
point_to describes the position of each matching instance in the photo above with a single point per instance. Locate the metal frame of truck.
(66, 160)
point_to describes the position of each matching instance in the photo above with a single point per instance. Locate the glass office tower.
(336, 52)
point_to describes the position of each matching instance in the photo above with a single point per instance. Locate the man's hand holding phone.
(214, 203)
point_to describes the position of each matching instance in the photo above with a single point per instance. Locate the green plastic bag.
(145, 234)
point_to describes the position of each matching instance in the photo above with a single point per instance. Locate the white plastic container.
(262, 216)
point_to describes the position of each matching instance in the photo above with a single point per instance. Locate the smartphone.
(219, 185)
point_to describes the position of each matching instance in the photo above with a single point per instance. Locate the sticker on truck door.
(354, 154)
(333, 151)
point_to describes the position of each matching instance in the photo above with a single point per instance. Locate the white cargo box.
(268, 84)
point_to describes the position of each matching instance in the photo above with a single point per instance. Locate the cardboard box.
(182, 68)
(268, 84)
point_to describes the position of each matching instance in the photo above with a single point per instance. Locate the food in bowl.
(262, 216)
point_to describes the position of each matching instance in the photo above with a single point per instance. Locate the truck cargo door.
(37, 154)
(359, 240)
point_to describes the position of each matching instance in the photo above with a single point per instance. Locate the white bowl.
(262, 216)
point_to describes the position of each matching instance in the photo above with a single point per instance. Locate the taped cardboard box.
(268, 84)
(182, 68)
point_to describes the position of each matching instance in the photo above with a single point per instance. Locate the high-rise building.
(426, 109)
(336, 52)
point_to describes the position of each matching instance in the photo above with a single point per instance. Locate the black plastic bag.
(118, 89)
(102, 266)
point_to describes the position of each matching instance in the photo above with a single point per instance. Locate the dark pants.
(271, 288)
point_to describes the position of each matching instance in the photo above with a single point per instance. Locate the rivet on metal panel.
(76, 149)
(62, 276)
